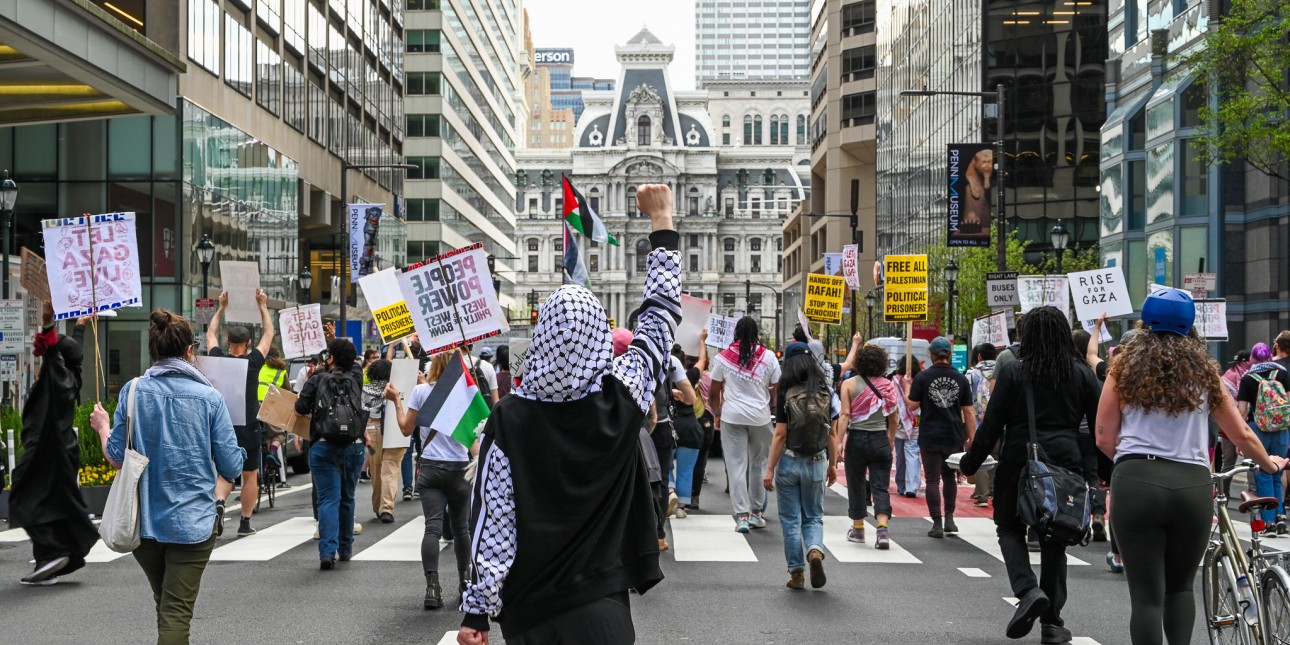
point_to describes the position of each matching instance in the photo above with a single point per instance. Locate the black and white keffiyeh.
(571, 348)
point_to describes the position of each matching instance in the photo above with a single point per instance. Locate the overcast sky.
(593, 27)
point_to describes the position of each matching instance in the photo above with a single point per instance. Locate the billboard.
(553, 56)
(970, 173)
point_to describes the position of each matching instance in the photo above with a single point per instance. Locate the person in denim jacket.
(182, 425)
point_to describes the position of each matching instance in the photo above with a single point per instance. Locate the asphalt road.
(721, 587)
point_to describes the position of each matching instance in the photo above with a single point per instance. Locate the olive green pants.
(175, 573)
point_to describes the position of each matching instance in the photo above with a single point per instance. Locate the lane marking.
(403, 545)
(980, 533)
(709, 538)
(973, 572)
(449, 638)
(268, 543)
(835, 540)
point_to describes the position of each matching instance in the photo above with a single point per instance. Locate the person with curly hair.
(870, 404)
(1162, 389)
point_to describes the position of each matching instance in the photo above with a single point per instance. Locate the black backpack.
(339, 416)
(808, 419)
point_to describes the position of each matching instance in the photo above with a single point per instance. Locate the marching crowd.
(610, 431)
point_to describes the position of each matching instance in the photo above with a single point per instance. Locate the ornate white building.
(734, 184)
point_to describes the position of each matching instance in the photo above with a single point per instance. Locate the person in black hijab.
(45, 499)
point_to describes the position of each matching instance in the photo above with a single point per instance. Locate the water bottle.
(1245, 596)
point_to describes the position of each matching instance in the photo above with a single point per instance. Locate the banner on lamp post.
(970, 172)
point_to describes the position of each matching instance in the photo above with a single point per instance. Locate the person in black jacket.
(1065, 392)
(562, 512)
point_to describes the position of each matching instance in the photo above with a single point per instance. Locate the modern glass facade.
(739, 40)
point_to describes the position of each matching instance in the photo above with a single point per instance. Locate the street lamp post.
(951, 276)
(206, 255)
(8, 197)
(999, 95)
(870, 300)
(306, 283)
(345, 167)
(1060, 239)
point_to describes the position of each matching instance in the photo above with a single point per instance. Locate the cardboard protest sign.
(279, 411)
(1211, 319)
(403, 376)
(992, 328)
(721, 331)
(1100, 291)
(302, 331)
(694, 316)
(33, 275)
(241, 281)
(824, 294)
(832, 263)
(228, 376)
(364, 224)
(1043, 291)
(93, 264)
(851, 266)
(381, 290)
(451, 299)
(519, 355)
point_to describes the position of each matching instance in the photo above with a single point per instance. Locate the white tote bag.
(120, 526)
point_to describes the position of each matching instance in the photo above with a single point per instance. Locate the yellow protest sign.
(613, 324)
(905, 288)
(824, 294)
(394, 321)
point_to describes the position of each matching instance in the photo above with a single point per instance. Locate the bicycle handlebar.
(1246, 466)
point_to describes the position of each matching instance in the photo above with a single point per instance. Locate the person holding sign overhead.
(248, 435)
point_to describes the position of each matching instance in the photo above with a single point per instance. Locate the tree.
(1245, 57)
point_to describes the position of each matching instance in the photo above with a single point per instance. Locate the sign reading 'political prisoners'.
(452, 300)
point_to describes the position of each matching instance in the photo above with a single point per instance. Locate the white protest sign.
(1035, 291)
(1211, 319)
(1105, 336)
(851, 266)
(991, 329)
(694, 316)
(13, 326)
(519, 355)
(302, 332)
(832, 263)
(805, 324)
(381, 290)
(1001, 289)
(241, 280)
(1100, 291)
(228, 376)
(92, 263)
(451, 299)
(721, 331)
(1008, 313)
(403, 376)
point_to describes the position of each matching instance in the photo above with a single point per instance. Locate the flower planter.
(4, 505)
(95, 498)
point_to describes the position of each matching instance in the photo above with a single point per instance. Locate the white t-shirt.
(443, 447)
(490, 374)
(746, 401)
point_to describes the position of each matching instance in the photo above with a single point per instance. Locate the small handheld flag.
(579, 215)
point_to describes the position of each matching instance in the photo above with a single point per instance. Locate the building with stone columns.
(731, 154)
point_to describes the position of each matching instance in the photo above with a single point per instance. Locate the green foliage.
(1245, 56)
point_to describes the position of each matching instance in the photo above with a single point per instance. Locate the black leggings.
(701, 466)
(1161, 549)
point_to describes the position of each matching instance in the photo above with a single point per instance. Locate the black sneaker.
(244, 528)
(1055, 635)
(1029, 608)
(283, 486)
(219, 518)
(950, 526)
(407, 493)
(387, 518)
(365, 476)
(326, 564)
(937, 531)
(45, 571)
(1099, 530)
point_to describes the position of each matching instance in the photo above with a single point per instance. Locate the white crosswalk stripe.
(973, 572)
(709, 538)
(268, 543)
(1075, 640)
(449, 638)
(980, 533)
(403, 545)
(835, 540)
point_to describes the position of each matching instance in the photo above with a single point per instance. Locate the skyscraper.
(739, 40)
(567, 89)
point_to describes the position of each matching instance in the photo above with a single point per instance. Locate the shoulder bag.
(120, 526)
(1050, 499)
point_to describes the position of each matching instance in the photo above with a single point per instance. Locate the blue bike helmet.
(1169, 310)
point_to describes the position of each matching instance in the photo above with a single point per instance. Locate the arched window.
(725, 121)
(642, 254)
(748, 129)
(774, 129)
(643, 137)
(631, 201)
(783, 130)
(757, 130)
(801, 129)
(594, 198)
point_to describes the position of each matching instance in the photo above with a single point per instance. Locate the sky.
(593, 27)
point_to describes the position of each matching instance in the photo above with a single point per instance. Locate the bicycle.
(1246, 592)
(270, 473)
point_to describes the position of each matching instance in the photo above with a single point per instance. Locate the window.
(418, 251)
(533, 264)
(859, 62)
(533, 205)
(423, 125)
(730, 207)
(423, 5)
(204, 33)
(694, 262)
(801, 129)
(748, 129)
(755, 244)
(859, 109)
(1137, 193)
(1193, 98)
(725, 130)
(756, 264)
(533, 244)
(643, 137)
(729, 264)
(423, 210)
(642, 254)
(783, 130)
(238, 63)
(754, 302)
(558, 263)
(858, 17)
(774, 129)
(422, 41)
(423, 83)
(1195, 179)
(631, 202)
(728, 301)
(424, 168)
(1138, 130)
(268, 78)
(729, 244)
(757, 130)
(694, 240)
(593, 263)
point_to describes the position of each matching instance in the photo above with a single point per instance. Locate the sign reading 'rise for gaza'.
(905, 288)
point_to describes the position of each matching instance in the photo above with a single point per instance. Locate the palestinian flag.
(455, 407)
(574, 271)
(578, 214)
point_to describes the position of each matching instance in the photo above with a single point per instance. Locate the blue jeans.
(909, 465)
(799, 491)
(1277, 444)
(409, 478)
(335, 469)
(685, 459)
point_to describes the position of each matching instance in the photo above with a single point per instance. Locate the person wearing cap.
(248, 434)
(484, 367)
(943, 399)
(1153, 420)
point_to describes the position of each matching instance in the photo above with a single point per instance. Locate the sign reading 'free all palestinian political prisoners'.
(92, 263)
(451, 299)
(824, 294)
(905, 288)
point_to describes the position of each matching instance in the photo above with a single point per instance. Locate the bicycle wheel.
(272, 483)
(1276, 605)
(1223, 620)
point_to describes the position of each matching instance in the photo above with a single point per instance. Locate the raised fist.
(655, 200)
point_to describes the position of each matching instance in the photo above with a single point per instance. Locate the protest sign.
(721, 331)
(364, 223)
(279, 411)
(1001, 289)
(93, 264)
(992, 328)
(381, 290)
(403, 376)
(452, 300)
(33, 276)
(851, 266)
(302, 331)
(13, 327)
(832, 263)
(694, 316)
(241, 280)
(804, 324)
(1089, 325)
(1100, 291)
(1010, 314)
(1043, 291)
(1211, 319)
(824, 295)
(519, 355)
(228, 376)
(905, 288)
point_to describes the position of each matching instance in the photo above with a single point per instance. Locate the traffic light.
(533, 317)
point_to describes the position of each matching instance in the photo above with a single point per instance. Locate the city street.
(721, 587)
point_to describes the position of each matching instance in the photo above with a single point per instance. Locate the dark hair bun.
(161, 318)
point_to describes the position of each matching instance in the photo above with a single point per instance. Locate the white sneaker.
(317, 536)
(680, 514)
(358, 528)
(672, 501)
